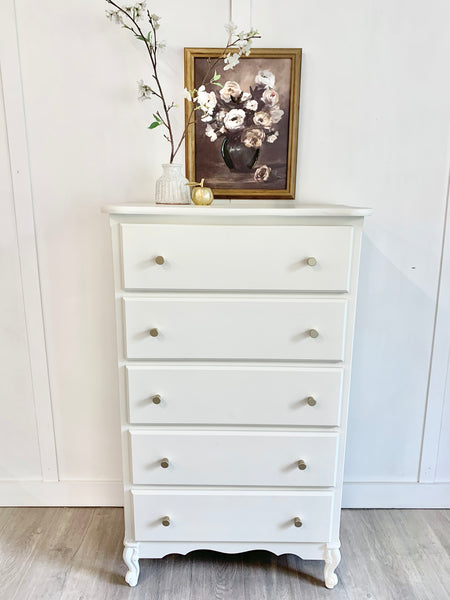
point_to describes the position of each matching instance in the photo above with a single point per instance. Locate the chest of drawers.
(234, 328)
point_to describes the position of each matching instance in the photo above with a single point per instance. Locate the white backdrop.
(374, 131)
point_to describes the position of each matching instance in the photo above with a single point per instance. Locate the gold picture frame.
(263, 90)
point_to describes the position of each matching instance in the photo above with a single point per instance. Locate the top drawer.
(236, 257)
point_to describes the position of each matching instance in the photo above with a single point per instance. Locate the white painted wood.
(235, 328)
(241, 14)
(240, 208)
(332, 559)
(240, 516)
(213, 257)
(234, 395)
(396, 495)
(233, 458)
(435, 461)
(26, 239)
(131, 559)
(184, 486)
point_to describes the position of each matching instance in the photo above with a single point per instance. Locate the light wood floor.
(75, 554)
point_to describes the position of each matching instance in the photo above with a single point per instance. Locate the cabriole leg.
(131, 559)
(332, 559)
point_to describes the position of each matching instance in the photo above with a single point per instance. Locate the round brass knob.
(164, 463)
(298, 522)
(154, 332)
(313, 333)
(311, 401)
(159, 260)
(312, 262)
(301, 465)
(156, 399)
(165, 521)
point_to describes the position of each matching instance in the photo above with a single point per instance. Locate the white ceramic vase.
(171, 187)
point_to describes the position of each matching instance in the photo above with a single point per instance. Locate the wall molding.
(26, 237)
(61, 493)
(396, 495)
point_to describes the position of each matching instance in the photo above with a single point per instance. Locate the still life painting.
(244, 137)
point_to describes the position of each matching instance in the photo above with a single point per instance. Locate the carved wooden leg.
(332, 559)
(131, 559)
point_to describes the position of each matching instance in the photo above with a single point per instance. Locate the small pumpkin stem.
(201, 182)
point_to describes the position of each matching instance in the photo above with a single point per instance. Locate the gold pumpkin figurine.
(201, 195)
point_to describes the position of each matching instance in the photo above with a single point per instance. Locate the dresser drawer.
(240, 516)
(218, 257)
(234, 395)
(236, 328)
(233, 458)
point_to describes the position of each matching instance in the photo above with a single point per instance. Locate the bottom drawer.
(240, 516)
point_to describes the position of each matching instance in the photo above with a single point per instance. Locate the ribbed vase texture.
(171, 187)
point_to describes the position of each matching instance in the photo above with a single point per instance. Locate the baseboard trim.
(396, 495)
(110, 493)
(61, 493)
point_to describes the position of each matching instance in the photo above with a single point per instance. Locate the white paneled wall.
(374, 131)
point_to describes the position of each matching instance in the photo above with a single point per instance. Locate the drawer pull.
(165, 521)
(311, 401)
(301, 465)
(313, 333)
(165, 463)
(154, 332)
(159, 260)
(156, 399)
(312, 262)
(298, 522)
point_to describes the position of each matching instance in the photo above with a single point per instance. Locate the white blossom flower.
(273, 137)
(251, 105)
(210, 133)
(265, 78)
(187, 94)
(231, 60)
(145, 91)
(231, 89)
(234, 120)
(276, 114)
(207, 102)
(230, 28)
(114, 16)
(262, 173)
(155, 20)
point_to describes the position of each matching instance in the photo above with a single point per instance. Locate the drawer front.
(235, 516)
(217, 257)
(233, 458)
(218, 328)
(234, 395)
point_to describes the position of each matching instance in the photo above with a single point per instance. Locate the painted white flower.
(265, 78)
(231, 60)
(231, 89)
(211, 133)
(262, 118)
(270, 97)
(253, 138)
(272, 138)
(145, 91)
(262, 173)
(276, 114)
(245, 96)
(251, 105)
(220, 116)
(234, 120)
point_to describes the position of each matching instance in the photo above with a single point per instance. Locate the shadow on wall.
(391, 357)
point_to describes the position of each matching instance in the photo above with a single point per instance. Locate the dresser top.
(241, 208)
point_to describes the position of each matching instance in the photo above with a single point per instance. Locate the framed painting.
(243, 139)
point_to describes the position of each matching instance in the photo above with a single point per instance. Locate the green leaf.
(140, 37)
(215, 83)
(216, 76)
(157, 118)
(154, 124)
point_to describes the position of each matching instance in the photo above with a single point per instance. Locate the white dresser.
(234, 327)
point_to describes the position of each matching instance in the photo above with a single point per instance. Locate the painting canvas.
(245, 145)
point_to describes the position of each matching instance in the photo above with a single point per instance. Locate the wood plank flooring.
(76, 554)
